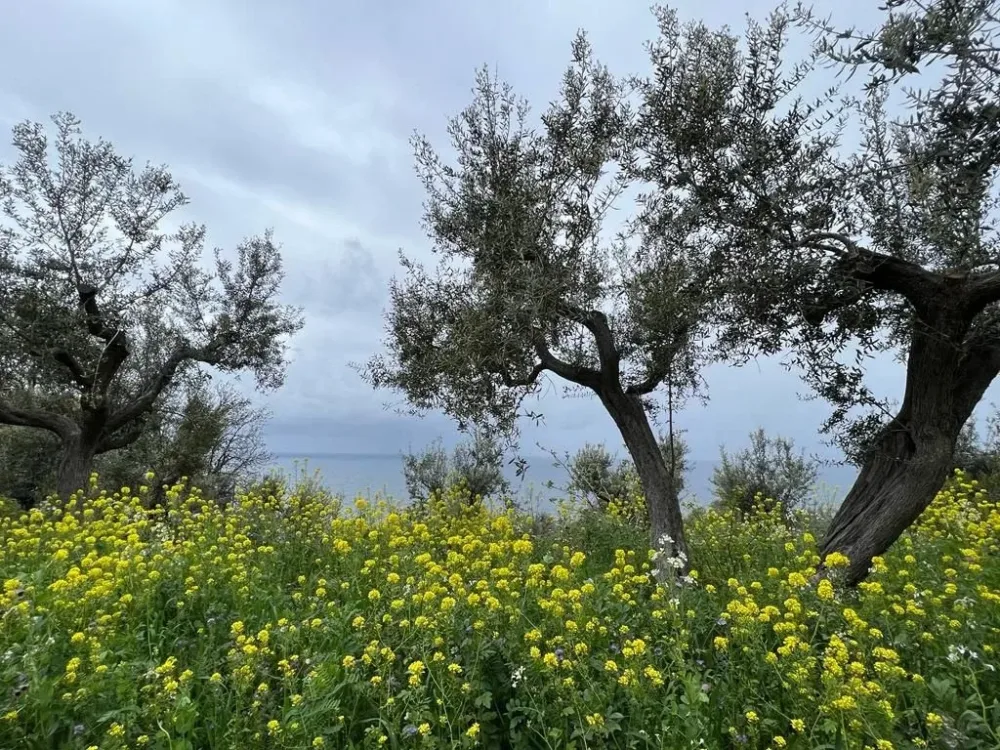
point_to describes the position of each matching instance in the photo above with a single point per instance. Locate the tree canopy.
(828, 249)
(532, 282)
(756, 219)
(100, 303)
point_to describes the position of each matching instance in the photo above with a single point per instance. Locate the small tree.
(528, 286)
(240, 453)
(477, 464)
(767, 468)
(595, 476)
(971, 455)
(97, 303)
(426, 473)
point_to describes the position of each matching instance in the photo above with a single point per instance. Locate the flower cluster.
(287, 620)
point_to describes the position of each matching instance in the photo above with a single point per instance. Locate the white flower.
(516, 676)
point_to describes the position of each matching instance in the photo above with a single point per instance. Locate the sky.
(298, 116)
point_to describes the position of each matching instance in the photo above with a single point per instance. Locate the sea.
(369, 475)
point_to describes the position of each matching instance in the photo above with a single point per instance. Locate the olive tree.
(530, 285)
(832, 248)
(98, 302)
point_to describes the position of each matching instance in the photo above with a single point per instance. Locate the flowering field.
(290, 622)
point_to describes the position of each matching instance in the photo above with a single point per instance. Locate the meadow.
(290, 619)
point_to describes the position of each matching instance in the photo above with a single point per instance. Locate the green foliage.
(28, 462)
(597, 479)
(299, 482)
(476, 464)
(529, 285)
(99, 305)
(979, 456)
(766, 474)
(29, 458)
(825, 252)
(278, 619)
(526, 283)
(214, 437)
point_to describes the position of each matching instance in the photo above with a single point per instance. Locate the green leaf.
(484, 700)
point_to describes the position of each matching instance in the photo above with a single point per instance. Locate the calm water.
(367, 474)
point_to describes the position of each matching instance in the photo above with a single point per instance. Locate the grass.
(288, 621)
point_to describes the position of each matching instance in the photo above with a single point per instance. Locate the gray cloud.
(301, 121)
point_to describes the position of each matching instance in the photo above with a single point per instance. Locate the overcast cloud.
(298, 115)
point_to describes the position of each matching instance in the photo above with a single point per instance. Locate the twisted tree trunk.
(914, 455)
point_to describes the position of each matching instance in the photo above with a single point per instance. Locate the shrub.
(766, 474)
(477, 464)
(597, 478)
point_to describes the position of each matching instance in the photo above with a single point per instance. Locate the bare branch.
(578, 374)
(596, 322)
(161, 379)
(122, 439)
(874, 271)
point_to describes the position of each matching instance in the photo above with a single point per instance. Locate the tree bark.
(914, 455)
(658, 483)
(77, 455)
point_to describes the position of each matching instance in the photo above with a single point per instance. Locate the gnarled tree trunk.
(914, 455)
(77, 458)
(658, 483)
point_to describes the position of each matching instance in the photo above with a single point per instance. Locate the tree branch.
(164, 376)
(39, 418)
(648, 385)
(596, 322)
(815, 311)
(67, 360)
(116, 349)
(96, 323)
(874, 270)
(977, 368)
(578, 374)
(123, 439)
(983, 290)
(531, 379)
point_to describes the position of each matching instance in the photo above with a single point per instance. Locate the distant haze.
(352, 475)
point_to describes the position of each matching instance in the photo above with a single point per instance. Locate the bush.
(767, 474)
(597, 478)
(979, 457)
(476, 464)
(28, 462)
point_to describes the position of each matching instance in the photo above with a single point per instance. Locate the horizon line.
(824, 461)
